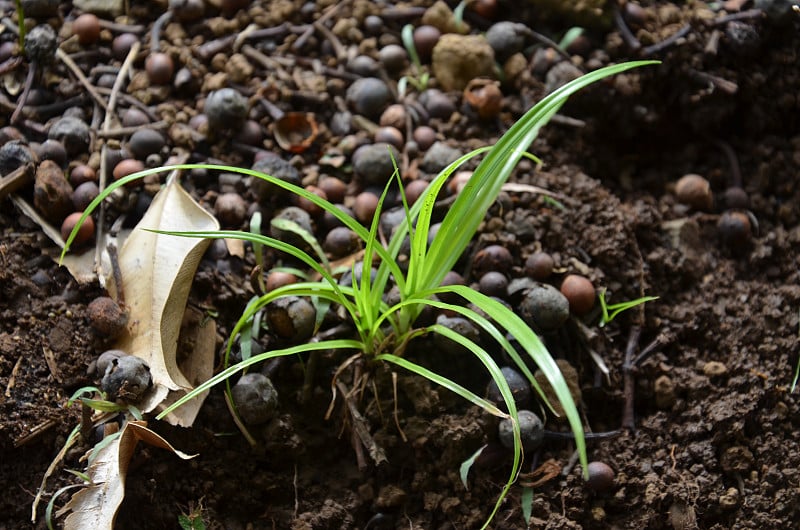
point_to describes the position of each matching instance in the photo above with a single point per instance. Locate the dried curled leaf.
(96, 505)
(157, 272)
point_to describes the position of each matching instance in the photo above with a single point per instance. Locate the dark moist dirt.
(715, 443)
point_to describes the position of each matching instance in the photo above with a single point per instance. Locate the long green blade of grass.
(534, 347)
(469, 209)
(338, 344)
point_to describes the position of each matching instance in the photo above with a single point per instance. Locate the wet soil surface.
(713, 441)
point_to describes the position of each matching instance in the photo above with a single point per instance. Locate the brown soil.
(715, 443)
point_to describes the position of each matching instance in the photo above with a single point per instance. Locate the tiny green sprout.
(193, 520)
(570, 36)
(458, 14)
(420, 77)
(610, 311)
(21, 24)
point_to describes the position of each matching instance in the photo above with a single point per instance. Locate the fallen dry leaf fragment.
(157, 272)
(96, 505)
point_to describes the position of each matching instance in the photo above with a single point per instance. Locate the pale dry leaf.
(196, 361)
(96, 505)
(157, 272)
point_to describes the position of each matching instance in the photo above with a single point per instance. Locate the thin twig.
(741, 15)
(625, 32)
(112, 105)
(628, 421)
(121, 132)
(67, 60)
(25, 91)
(155, 31)
(327, 15)
(666, 43)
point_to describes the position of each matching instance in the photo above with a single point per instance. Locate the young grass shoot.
(383, 332)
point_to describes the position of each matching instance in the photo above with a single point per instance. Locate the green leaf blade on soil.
(469, 209)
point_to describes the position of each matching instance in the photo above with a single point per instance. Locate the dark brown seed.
(539, 266)
(159, 68)
(365, 205)
(735, 229)
(251, 133)
(52, 150)
(492, 258)
(146, 142)
(424, 136)
(52, 194)
(736, 198)
(394, 116)
(230, 209)
(85, 233)
(425, 38)
(127, 167)
(493, 283)
(134, 117)
(695, 191)
(634, 14)
(579, 292)
(84, 194)
(312, 209)
(393, 57)
(340, 242)
(277, 279)
(122, 44)
(87, 28)
(601, 477)
(389, 135)
(334, 189)
(485, 8)
(82, 173)
(414, 190)
(107, 317)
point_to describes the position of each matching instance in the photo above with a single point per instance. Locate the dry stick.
(25, 91)
(338, 48)
(125, 131)
(155, 32)
(67, 60)
(666, 43)
(122, 28)
(742, 15)
(112, 104)
(328, 14)
(629, 369)
(733, 162)
(628, 421)
(727, 87)
(625, 32)
(10, 64)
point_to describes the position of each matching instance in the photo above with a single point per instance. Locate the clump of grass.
(381, 333)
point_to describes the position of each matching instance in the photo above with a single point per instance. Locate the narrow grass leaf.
(466, 465)
(337, 344)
